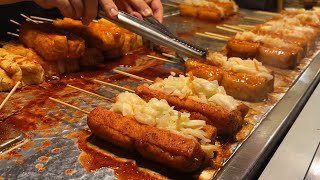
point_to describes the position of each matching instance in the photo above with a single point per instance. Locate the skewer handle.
(10, 94)
(68, 105)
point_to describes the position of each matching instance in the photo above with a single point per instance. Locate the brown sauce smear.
(92, 158)
(27, 145)
(10, 155)
(43, 146)
(40, 167)
(19, 162)
(69, 171)
(55, 150)
(44, 159)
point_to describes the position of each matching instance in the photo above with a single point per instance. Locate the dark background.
(13, 12)
(270, 5)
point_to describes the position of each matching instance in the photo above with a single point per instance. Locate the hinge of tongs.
(152, 30)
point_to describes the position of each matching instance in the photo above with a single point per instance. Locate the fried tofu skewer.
(161, 145)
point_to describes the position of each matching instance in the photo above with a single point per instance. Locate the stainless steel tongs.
(151, 29)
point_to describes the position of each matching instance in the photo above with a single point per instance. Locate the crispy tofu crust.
(50, 43)
(277, 57)
(204, 13)
(246, 87)
(111, 40)
(285, 57)
(207, 13)
(242, 49)
(188, 10)
(241, 86)
(155, 144)
(204, 71)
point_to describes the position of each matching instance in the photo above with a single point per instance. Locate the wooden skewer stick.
(246, 26)
(169, 55)
(15, 22)
(266, 13)
(68, 105)
(41, 18)
(171, 5)
(212, 37)
(234, 27)
(227, 29)
(255, 18)
(29, 19)
(91, 93)
(10, 94)
(13, 34)
(162, 59)
(113, 85)
(217, 35)
(132, 75)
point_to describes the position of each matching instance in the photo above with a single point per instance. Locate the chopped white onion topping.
(235, 64)
(250, 36)
(160, 114)
(198, 89)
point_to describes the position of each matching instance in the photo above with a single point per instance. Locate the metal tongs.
(151, 29)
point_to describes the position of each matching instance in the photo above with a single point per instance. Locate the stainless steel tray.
(250, 156)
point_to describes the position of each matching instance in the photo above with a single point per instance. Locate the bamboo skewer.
(218, 35)
(10, 94)
(113, 85)
(91, 93)
(41, 18)
(212, 37)
(171, 5)
(246, 26)
(169, 55)
(13, 34)
(15, 22)
(162, 59)
(266, 13)
(29, 19)
(132, 75)
(255, 18)
(234, 27)
(68, 105)
(227, 29)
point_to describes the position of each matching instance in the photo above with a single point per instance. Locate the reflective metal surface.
(314, 171)
(293, 158)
